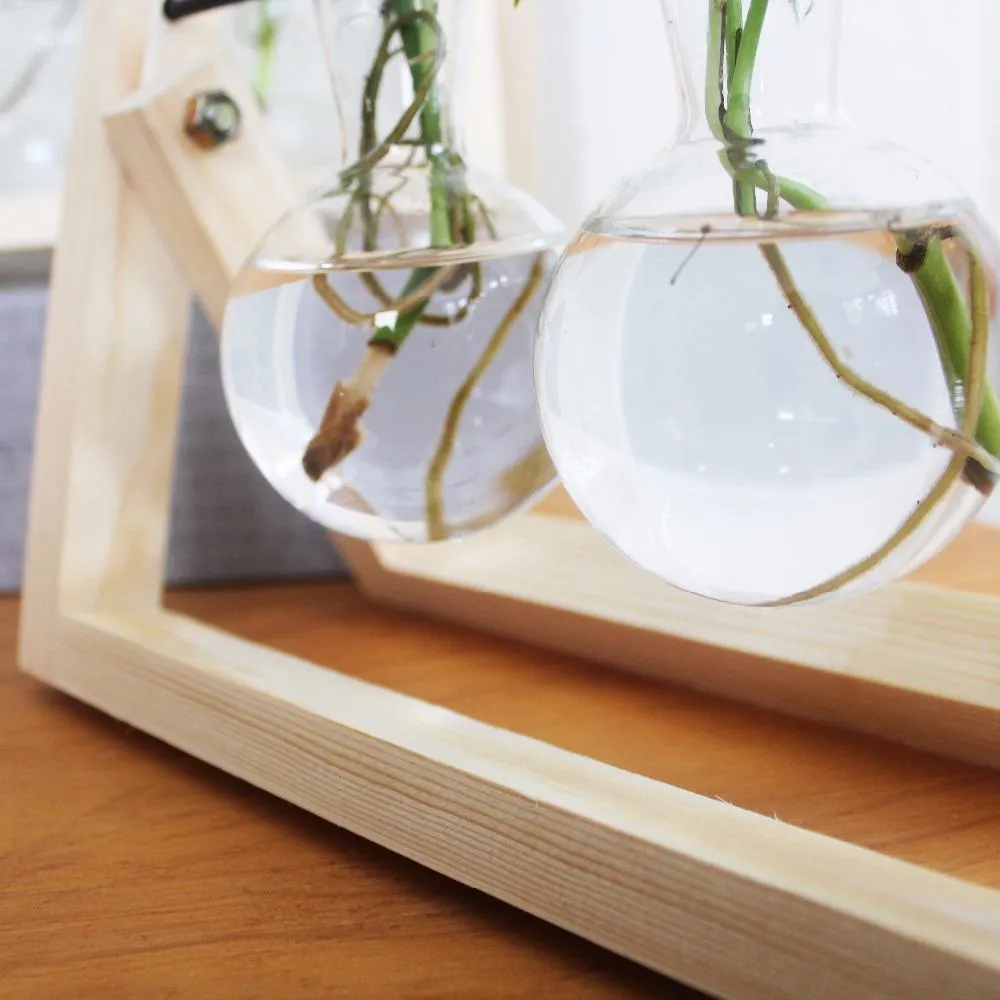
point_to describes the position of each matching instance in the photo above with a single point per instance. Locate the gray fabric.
(20, 356)
(227, 523)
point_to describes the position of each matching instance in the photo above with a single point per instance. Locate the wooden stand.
(738, 904)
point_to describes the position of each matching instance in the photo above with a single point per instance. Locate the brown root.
(340, 431)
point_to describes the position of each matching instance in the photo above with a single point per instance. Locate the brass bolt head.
(211, 118)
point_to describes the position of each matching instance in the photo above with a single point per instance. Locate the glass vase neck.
(782, 55)
(375, 79)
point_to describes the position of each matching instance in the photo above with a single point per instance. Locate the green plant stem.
(715, 107)
(340, 431)
(934, 279)
(734, 31)
(978, 347)
(437, 528)
(452, 221)
(267, 43)
(421, 43)
(433, 59)
(737, 120)
(798, 196)
(736, 124)
(903, 411)
(394, 335)
(945, 306)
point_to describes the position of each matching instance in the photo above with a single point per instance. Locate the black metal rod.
(174, 10)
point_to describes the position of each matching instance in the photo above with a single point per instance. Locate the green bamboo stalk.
(946, 309)
(737, 119)
(715, 74)
(734, 32)
(393, 336)
(421, 44)
(736, 125)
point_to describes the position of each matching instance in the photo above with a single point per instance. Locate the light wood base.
(915, 663)
(735, 903)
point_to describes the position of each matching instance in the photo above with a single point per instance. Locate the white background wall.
(593, 78)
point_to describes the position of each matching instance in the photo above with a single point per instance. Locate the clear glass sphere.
(431, 441)
(695, 419)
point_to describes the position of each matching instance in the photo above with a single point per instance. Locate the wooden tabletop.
(129, 870)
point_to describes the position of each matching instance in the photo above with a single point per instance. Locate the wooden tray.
(918, 662)
(908, 805)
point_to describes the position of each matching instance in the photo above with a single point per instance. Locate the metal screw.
(212, 118)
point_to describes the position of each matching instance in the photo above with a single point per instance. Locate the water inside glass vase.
(766, 366)
(377, 347)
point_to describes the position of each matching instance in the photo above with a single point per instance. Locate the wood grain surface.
(127, 869)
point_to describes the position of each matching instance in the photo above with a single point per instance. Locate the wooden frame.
(738, 904)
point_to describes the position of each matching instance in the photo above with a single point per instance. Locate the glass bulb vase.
(767, 363)
(377, 347)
